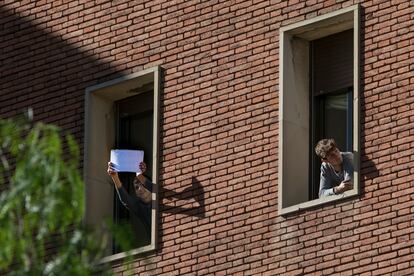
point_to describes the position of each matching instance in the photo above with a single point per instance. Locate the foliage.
(42, 199)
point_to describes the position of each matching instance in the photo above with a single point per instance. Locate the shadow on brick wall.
(193, 195)
(189, 202)
(368, 169)
(47, 71)
(368, 173)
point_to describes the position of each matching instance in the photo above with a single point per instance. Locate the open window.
(319, 92)
(331, 84)
(122, 114)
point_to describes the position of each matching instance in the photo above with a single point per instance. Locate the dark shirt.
(139, 208)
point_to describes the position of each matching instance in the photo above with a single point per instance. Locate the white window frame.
(100, 139)
(294, 95)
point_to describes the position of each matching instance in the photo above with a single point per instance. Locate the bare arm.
(114, 175)
(126, 199)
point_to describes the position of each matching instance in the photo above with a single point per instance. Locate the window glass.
(337, 119)
(332, 118)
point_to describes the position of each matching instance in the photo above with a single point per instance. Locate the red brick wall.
(220, 125)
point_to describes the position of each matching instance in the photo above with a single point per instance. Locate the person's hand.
(140, 176)
(345, 185)
(143, 167)
(111, 170)
(114, 175)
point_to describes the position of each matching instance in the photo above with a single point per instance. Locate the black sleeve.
(131, 202)
(148, 184)
(136, 207)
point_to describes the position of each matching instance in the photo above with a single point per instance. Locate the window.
(134, 118)
(319, 92)
(123, 114)
(331, 85)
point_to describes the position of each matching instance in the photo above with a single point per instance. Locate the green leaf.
(44, 198)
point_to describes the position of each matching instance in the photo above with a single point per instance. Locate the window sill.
(122, 255)
(317, 202)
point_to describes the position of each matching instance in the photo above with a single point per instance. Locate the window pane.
(332, 119)
(334, 124)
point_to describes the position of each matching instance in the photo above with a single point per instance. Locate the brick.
(219, 123)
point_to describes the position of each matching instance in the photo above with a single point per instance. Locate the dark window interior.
(331, 82)
(134, 131)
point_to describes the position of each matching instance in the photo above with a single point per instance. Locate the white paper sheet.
(127, 160)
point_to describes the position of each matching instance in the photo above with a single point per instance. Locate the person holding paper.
(336, 169)
(140, 204)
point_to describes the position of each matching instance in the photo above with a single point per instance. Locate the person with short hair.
(337, 169)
